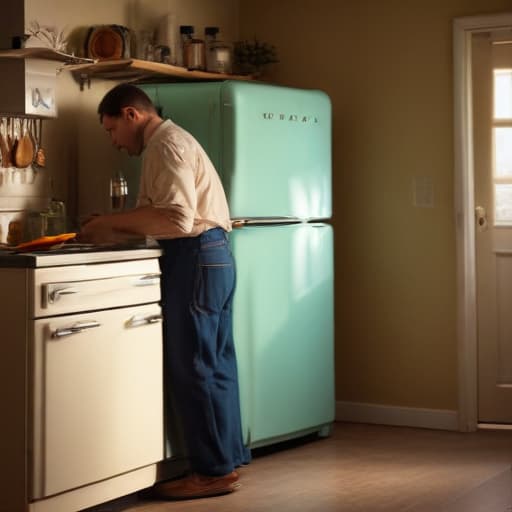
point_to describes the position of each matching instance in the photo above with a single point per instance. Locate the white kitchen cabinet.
(81, 402)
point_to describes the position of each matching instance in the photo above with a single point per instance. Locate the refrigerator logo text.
(270, 116)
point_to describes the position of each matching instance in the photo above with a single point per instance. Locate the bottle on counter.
(219, 54)
(193, 49)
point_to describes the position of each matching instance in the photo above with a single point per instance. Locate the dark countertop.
(76, 256)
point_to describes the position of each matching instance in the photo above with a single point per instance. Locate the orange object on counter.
(44, 242)
(15, 232)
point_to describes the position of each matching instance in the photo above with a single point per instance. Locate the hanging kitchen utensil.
(24, 147)
(35, 137)
(40, 159)
(4, 148)
(30, 170)
(10, 140)
(32, 134)
(15, 137)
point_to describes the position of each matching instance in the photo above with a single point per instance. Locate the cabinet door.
(97, 396)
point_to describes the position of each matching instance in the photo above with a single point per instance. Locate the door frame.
(464, 198)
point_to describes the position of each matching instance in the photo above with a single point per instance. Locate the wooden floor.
(366, 468)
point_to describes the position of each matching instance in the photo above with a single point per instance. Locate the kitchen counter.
(76, 256)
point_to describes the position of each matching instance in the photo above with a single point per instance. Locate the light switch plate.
(423, 192)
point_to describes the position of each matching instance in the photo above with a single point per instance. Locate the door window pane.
(503, 94)
(503, 204)
(503, 151)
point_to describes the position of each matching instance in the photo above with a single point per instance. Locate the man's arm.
(137, 223)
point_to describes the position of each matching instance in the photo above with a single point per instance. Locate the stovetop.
(77, 254)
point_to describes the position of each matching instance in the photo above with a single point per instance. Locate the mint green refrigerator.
(272, 148)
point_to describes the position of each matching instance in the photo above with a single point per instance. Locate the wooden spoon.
(25, 148)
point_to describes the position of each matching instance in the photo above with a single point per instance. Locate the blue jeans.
(198, 283)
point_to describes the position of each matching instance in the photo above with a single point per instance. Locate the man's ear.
(129, 113)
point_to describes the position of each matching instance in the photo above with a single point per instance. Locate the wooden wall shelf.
(44, 53)
(123, 69)
(144, 71)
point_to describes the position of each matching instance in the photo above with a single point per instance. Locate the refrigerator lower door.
(284, 329)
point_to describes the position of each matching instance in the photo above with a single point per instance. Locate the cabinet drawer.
(100, 287)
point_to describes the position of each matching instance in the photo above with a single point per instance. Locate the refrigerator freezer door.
(284, 329)
(277, 151)
(271, 145)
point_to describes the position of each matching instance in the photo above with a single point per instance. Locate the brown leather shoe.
(197, 486)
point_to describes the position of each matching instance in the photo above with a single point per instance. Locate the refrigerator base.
(322, 431)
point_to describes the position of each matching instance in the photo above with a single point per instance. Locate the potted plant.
(251, 56)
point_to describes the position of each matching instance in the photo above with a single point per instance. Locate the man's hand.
(99, 231)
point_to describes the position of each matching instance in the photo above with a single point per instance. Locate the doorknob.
(481, 218)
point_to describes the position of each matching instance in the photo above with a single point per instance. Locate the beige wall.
(388, 69)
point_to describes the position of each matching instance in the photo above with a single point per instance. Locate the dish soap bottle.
(219, 55)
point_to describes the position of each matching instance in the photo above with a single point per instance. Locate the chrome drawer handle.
(56, 294)
(75, 328)
(138, 320)
(148, 280)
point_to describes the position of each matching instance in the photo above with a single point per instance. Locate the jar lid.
(186, 29)
(211, 31)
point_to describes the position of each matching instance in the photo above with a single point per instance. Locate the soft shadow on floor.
(365, 468)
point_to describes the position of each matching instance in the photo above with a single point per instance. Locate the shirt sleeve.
(169, 182)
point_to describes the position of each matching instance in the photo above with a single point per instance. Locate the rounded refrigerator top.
(270, 144)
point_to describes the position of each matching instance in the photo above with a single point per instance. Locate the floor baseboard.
(355, 412)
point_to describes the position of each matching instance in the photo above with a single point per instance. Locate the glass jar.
(193, 49)
(54, 218)
(145, 45)
(219, 55)
(118, 193)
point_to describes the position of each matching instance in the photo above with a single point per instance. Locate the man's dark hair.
(121, 96)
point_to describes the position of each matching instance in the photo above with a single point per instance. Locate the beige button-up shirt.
(179, 178)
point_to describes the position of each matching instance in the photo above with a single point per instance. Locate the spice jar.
(219, 55)
(193, 49)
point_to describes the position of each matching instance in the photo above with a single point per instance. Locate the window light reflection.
(503, 93)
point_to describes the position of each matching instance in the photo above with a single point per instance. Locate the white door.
(97, 396)
(492, 109)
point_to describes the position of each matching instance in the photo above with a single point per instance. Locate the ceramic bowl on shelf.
(108, 42)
